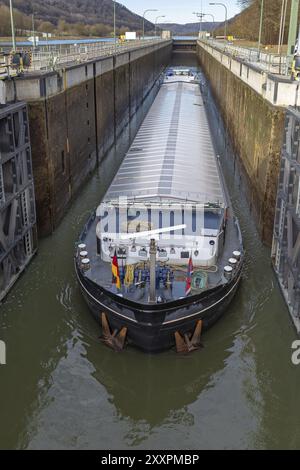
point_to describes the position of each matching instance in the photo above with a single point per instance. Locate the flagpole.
(115, 271)
(153, 252)
(188, 287)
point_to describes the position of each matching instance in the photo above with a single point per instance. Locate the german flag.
(188, 288)
(115, 271)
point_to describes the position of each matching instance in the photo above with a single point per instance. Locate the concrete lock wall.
(256, 129)
(77, 114)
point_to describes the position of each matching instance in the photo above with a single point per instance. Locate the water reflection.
(147, 388)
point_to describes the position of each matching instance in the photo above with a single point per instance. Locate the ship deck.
(101, 272)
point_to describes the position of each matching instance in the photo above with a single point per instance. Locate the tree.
(80, 29)
(62, 26)
(46, 27)
(100, 30)
(4, 21)
(246, 24)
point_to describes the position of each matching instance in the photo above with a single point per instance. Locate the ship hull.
(166, 184)
(154, 332)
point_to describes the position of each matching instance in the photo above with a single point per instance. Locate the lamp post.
(260, 26)
(226, 15)
(115, 36)
(293, 27)
(13, 34)
(209, 14)
(146, 11)
(213, 18)
(161, 16)
(282, 25)
(200, 16)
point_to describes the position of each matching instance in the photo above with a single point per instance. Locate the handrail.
(274, 63)
(59, 57)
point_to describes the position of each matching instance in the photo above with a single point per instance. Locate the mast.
(153, 251)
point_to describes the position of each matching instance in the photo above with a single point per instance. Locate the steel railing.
(56, 57)
(272, 63)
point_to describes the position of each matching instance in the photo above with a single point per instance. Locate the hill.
(188, 28)
(71, 16)
(246, 24)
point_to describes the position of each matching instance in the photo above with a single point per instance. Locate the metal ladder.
(27, 238)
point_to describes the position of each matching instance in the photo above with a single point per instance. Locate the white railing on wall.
(54, 57)
(278, 89)
(272, 63)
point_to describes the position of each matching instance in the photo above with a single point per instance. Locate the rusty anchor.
(115, 340)
(187, 343)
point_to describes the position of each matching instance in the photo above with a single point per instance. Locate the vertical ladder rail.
(25, 211)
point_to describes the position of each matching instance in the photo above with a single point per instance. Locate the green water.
(63, 389)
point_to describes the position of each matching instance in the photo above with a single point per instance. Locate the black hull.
(155, 331)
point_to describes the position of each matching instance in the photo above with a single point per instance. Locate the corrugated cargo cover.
(172, 156)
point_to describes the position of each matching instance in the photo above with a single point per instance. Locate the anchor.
(186, 344)
(115, 340)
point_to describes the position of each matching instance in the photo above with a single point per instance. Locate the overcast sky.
(180, 11)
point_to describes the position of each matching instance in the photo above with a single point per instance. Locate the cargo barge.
(161, 258)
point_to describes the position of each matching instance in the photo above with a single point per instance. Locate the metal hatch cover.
(172, 155)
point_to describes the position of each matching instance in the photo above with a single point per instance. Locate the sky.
(181, 11)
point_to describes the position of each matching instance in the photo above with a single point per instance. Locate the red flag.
(189, 276)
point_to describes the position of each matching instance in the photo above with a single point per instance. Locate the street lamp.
(293, 27)
(260, 26)
(115, 36)
(13, 34)
(162, 16)
(282, 25)
(146, 11)
(226, 15)
(209, 14)
(200, 16)
(213, 18)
